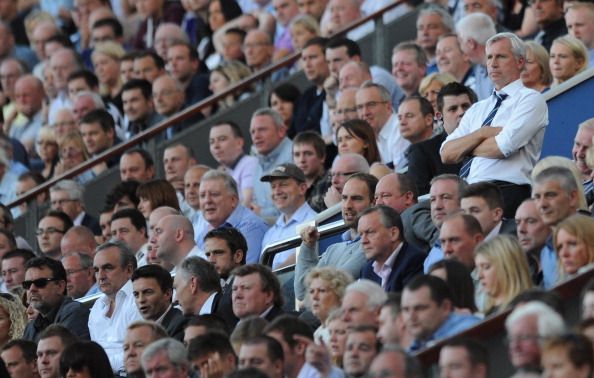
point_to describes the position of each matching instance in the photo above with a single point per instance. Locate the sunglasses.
(39, 283)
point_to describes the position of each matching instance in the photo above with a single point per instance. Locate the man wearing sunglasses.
(45, 282)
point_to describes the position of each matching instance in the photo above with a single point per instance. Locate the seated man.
(192, 180)
(357, 196)
(110, 315)
(20, 358)
(137, 99)
(227, 148)
(152, 288)
(215, 346)
(309, 154)
(68, 196)
(98, 131)
(164, 354)
(288, 195)
(465, 356)
(139, 335)
(392, 261)
(438, 319)
(52, 342)
(532, 234)
(343, 166)
(13, 267)
(79, 239)
(45, 282)
(137, 164)
(263, 354)
(80, 277)
(219, 201)
(256, 291)
(172, 240)
(362, 302)
(484, 202)
(361, 348)
(50, 230)
(129, 227)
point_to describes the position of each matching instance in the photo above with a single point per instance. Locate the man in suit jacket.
(152, 287)
(67, 196)
(393, 262)
(424, 161)
(256, 291)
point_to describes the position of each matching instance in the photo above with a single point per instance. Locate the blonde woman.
(574, 243)
(73, 153)
(226, 75)
(568, 57)
(432, 84)
(325, 290)
(46, 147)
(106, 63)
(503, 272)
(537, 73)
(303, 28)
(13, 318)
(560, 161)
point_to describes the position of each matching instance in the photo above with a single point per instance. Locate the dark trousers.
(513, 196)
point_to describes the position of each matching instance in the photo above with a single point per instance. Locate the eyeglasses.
(39, 283)
(49, 230)
(370, 105)
(522, 339)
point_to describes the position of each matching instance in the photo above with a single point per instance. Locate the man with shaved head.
(156, 215)
(258, 49)
(62, 63)
(353, 74)
(173, 238)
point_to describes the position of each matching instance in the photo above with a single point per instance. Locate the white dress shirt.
(391, 144)
(523, 116)
(110, 332)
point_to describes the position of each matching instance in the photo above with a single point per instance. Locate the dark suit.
(308, 112)
(70, 314)
(408, 264)
(174, 323)
(274, 313)
(91, 223)
(419, 229)
(508, 227)
(223, 308)
(424, 162)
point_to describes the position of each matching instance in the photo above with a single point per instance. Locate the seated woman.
(337, 329)
(73, 153)
(357, 137)
(46, 147)
(574, 243)
(458, 278)
(303, 28)
(13, 318)
(85, 359)
(156, 193)
(568, 57)
(569, 355)
(283, 99)
(537, 73)
(503, 272)
(106, 64)
(225, 75)
(325, 289)
(432, 84)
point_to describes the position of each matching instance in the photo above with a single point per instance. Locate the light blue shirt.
(8, 187)
(483, 86)
(283, 153)
(435, 255)
(249, 224)
(548, 262)
(454, 324)
(283, 230)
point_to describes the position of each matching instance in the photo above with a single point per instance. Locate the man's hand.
(316, 355)
(310, 236)
(332, 197)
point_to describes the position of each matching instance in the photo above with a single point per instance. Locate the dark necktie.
(465, 170)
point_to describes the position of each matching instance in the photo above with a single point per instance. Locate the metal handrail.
(185, 114)
(325, 230)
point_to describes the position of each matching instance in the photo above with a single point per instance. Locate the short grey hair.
(383, 92)
(126, 255)
(477, 26)
(557, 173)
(376, 296)
(446, 18)
(176, 353)
(97, 100)
(360, 164)
(549, 322)
(74, 189)
(276, 117)
(518, 47)
(86, 262)
(229, 181)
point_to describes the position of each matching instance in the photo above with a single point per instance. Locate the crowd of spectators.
(433, 164)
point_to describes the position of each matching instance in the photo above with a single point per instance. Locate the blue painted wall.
(566, 111)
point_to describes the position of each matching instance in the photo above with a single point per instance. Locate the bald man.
(173, 238)
(29, 96)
